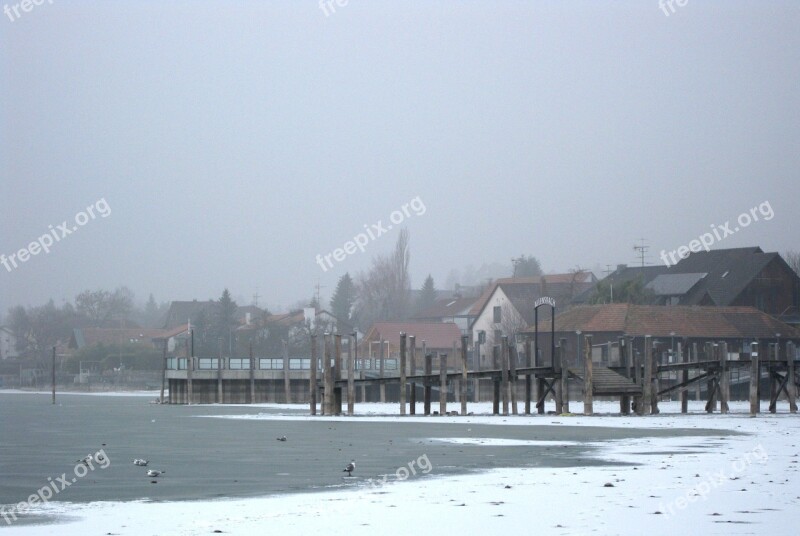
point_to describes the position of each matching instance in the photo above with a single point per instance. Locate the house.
(668, 326)
(8, 343)
(620, 278)
(453, 309)
(507, 306)
(438, 337)
(180, 312)
(83, 337)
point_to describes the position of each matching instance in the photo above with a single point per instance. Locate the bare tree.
(384, 291)
(792, 258)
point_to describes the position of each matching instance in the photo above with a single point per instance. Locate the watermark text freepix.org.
(706, 240)
(25, 5)
(54, 487)
(55, 234)
(373, 231)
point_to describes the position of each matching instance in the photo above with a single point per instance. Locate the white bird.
(140, 462)
(154, 473)
(350, 468)
(86, 460)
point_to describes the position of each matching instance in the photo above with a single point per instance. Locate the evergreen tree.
(343, 298)
(427, 296)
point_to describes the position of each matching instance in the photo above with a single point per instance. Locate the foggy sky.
(235, 141)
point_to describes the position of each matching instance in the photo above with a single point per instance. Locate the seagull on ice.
(350, 468)
(140, 462)
(154, 473)
(282, 438)
(86, 460)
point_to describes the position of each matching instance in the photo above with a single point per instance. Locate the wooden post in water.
(724, 379)
(588, 379)
(638, 378)
(219, 371)
(189, 366)
(505, 391)
(252, 376)
(442, 383)
(528, 377)
(791, 386)
(402, 373)
(624, 400)
(512, 376)
(426, 394)
(163, 370)
(337, 373)
(647, 380)
(564, 382)
(683, 351)
(774, 392)
(711, 355)
(327, 374)
(352, 351)
(463, 384)
(755, 376)
(654, 392)
(382, 368)
(312, 377)
(53, 383)
(496, 380)
(287, 394)
(558, 393)
(412, 395)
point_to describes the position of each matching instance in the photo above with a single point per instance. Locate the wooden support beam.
(496, 381)
(463, 384)
(189, 368)
(724, 379)
(512, 377)
(683, 351)
(636, 359)
(711, 355)
(327, 406)
(624, 362)
(654, 391)
(564, 381)
(402, 374)
(412, 341)
(774, 389)
(505, 391)
(588, 377)
(382, 368)
(351, 373)
(528, 377)
(560, 379)
(287, 393)
(755, 375)
(442, 383)
(312, 377)
(791, 386)
(647, 379)
(426, 397)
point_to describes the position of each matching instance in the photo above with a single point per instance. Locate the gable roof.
(729, 271)
(662, 321)
(448, 307)
(623, 274)
(674, 284)
(435, 334)
(526, 289)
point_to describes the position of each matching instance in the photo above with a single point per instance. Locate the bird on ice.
(85, 460)
(282, 438)
(350, 468)
(140, 462)
(154, 473)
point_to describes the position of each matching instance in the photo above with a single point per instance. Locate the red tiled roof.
(663, 321)
(435, 334)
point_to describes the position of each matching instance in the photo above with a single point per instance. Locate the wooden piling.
(683, 351)
(464, 369)
(559, 377)
(382, 368)
(512, 376)
(724, 379)
(654, 391)
(442, 383)
(337, 373)
(426, 396)
(563, 383)
(327, 407)
(755, 375)
(412, 395)
(219, 372)
(53, 377)
(496, 381)
(647, 380)
(287, 393)
(624, 400)
(774, 392)
(189, 367)
(402, 373)
(588, 378)
(711, 403)
(163, 371)
(312, 377)
(504, 389)
(528, 377)
(351, 373)
(638, 406)
(791, 386)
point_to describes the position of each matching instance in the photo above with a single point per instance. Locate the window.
(239, 364)
(270, 364)
(205, 363)
(497, 312)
